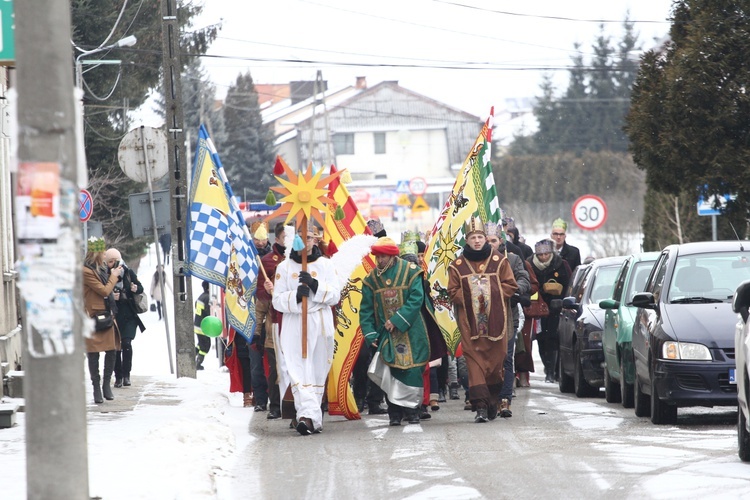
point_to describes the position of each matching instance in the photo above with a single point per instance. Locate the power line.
(554, 18)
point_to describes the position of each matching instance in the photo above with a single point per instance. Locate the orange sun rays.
(303, 193)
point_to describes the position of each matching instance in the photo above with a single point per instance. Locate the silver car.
(740, 305)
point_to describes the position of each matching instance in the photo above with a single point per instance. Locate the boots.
(93, 359)
(107, 391)
(454, 391)
(199, 362)
(248, 400)
(505, 409)
(109, 367)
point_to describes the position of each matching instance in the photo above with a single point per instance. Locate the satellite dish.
(131, 154)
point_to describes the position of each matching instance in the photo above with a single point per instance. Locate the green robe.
(398, 296)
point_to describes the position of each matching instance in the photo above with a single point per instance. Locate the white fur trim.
(288, 240)
(350, 255)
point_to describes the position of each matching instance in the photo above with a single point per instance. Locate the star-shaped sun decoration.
(304, 194)
(446, 248)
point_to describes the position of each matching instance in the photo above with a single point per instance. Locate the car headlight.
(685, 350)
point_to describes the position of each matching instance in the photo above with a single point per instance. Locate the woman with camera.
(127, 317)
(553, 274)
(98, 299)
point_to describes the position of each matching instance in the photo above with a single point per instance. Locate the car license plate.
(732, 377)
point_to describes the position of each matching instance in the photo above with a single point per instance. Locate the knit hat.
(559, 224)
(376, 227)
(385, 246)
(543, 246)
(473, 225)
(95, 244)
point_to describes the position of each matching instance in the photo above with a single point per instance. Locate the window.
(379, 143)
(343, 144)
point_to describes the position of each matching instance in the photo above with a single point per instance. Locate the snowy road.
(554, 446)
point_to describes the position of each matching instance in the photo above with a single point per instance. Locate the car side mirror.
(741, 300)
(609, 304)
(569, 303)
(645, 300)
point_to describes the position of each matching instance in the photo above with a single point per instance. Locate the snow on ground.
(174, 444)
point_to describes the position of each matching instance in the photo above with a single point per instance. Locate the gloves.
(302, 291)
(517, 298)
(304, 277)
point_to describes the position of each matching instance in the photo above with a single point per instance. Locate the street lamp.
(128, 41)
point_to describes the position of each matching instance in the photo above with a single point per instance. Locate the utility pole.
(56, 449)
(179, 167)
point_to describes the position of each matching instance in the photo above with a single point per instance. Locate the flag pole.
(304, 299)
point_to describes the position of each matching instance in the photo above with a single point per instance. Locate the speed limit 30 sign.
(589, 212)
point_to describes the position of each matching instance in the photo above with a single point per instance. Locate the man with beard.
(480, 284)
(306, 371)
(391, 319)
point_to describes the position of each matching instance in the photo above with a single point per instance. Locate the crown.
(95, 244)
(474, 225)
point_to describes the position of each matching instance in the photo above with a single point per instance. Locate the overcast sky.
(427, 45)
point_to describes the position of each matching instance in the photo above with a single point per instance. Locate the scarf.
(314, 255)
(477, 255)
(542, 265)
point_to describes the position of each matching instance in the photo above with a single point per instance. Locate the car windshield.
(709, 277)
(604, 283)
(640, 274)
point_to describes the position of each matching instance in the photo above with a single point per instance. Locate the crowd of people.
(404, 368)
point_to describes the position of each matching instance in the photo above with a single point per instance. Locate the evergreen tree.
(590, 114)
(248, 152)
(689, 121)
(111, 91)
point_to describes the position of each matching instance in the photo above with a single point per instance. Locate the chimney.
(361, 82)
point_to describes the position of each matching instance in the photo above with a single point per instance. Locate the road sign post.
(589, 212)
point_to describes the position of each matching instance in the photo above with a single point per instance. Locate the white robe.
(307, 377)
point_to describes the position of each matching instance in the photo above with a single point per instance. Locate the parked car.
(740, 305)
(617, 335)
(580, 329)
(683, 335)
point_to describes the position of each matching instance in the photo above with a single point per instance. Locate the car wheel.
(641, 402)
(566, 381)
(743, 436)
(661, 412)
(611, 388)
(582, 388)
(626, 390)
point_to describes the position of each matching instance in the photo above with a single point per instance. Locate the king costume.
(394, 298)
(306, 376)
(480, 284)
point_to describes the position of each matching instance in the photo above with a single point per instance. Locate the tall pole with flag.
(221, 250)
(473, 193)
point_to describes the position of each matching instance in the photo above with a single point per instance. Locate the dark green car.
(617, 336)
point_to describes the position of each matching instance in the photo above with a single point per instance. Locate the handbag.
(537, 309)
(103, 320)
(140, 301)
(552, 287)
(152, 307)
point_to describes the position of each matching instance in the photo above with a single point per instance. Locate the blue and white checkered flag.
(221, 249)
